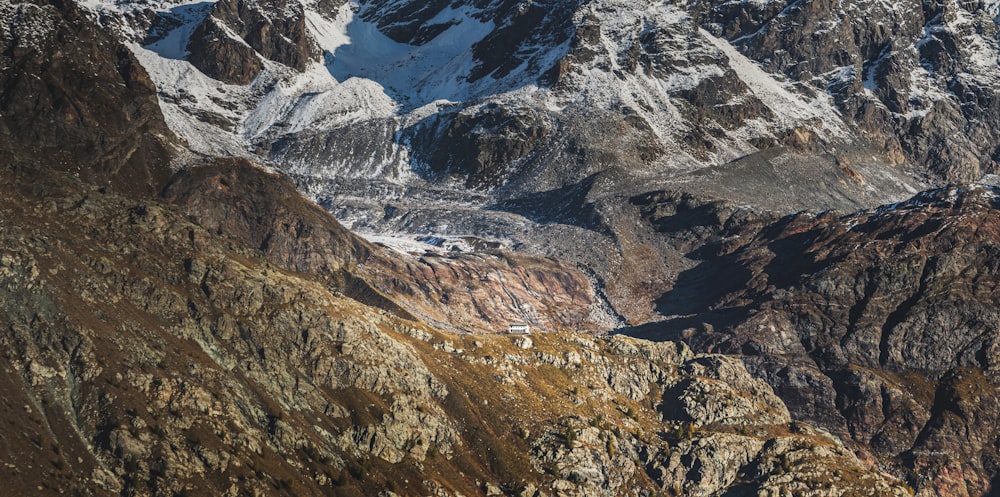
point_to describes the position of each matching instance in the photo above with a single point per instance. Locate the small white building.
(520, 329)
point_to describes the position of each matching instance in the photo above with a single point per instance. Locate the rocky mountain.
(85, 107)
(479, 289)
(197, 367)
(679, 86)
(917, 77)
(499, 96)
(220, 337)
(531, 123)
(179, 320)
(879, 325)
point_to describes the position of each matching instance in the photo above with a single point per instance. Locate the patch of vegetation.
(571, 437)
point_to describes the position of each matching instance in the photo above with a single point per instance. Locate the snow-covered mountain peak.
(510, 97)
(609, 54)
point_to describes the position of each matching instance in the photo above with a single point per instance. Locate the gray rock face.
(710, 398)
(274, 30)
(218, 55)
(523, 31)
(484, 148)
(355, 151)
(918, 77)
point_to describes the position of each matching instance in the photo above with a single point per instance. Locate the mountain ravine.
(275, 247)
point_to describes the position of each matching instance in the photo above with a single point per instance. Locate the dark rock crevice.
(897, 316)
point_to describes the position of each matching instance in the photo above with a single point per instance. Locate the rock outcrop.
(483, 147)
(228, 44)
(134, 332)
(486, 291)
(263, 210)
(880, 326)
(916, 76)
(75, 99)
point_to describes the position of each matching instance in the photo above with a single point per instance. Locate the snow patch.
(411, 75)
(421, 244)
(174, 44)
(184, 92)
(790, 108)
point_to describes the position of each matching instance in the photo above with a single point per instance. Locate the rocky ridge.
(514, 111)
(547, 118)
(918, 77)
(479, 290)
(274, 31)
(593, 103)
(878, 325)
(102, 118)
(147, 354)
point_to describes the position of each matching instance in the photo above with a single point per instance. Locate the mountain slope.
(918, 76)
(678, 87)
(879, 325)
(144, 354)
(216, 331)
(504, 121)
(85, 107)
(534, 80)
(480, 289)
(207, 343)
